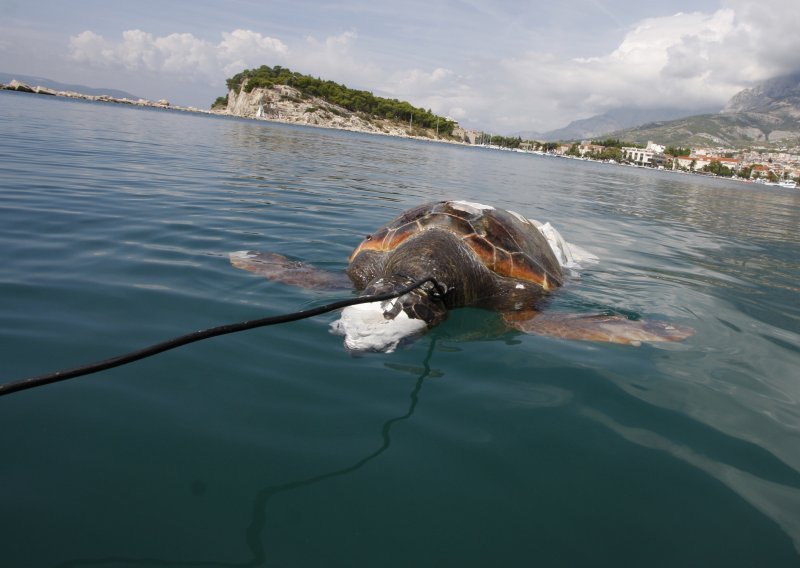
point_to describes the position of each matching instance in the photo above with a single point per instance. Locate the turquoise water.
(471, 446)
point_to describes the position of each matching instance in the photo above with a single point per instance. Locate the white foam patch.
(470, 207)
(365, 329)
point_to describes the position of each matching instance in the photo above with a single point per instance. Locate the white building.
(638, 156)
(651, 155)
(655, 148)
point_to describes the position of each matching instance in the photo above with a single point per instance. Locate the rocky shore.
(24, 88)
(282, 103)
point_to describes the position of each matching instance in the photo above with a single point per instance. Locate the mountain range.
(767, 115)
(599, 125)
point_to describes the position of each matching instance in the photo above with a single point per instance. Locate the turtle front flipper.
(597, 327)
(293, 272)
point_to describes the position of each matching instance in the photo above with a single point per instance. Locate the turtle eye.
(368, 237)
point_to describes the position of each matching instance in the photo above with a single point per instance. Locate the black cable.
(40, 380)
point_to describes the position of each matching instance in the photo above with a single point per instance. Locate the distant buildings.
(589, 148)
(651, 155)
(697, 162)
(747, 164)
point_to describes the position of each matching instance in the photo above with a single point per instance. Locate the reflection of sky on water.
(725, 254)
(779, 502)
(718, 256)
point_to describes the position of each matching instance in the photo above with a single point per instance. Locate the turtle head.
(382, 326)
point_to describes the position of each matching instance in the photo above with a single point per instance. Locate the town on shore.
(750, 165)
(758, 165)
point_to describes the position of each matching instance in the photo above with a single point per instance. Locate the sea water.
(471, 446)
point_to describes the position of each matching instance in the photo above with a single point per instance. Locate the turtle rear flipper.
(277, 267)
(604, 328)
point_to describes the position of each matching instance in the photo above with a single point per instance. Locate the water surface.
(468, 447)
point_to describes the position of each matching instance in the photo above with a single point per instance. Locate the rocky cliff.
(283, 103)
(780, 95)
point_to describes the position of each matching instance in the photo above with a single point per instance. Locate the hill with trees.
(353, 100)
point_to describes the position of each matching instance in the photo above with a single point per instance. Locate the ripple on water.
(117, 237)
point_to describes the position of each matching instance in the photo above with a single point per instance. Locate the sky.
(499, 66)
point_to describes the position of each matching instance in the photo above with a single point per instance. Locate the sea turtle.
(479, 256)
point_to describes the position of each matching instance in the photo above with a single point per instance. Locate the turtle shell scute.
(524, 269)
(497, 230)
(482, 248)
(455, 225)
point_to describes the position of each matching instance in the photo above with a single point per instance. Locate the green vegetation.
(617, 143)
(718, 168)
(334, 93)
(502, 141)
(609, 143)
(220, 102)
(677, 151)
(607, 153)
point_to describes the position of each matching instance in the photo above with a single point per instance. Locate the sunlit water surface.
(467, 447)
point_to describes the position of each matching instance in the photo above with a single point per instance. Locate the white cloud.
(194, 58)
(245, 48)
(690, 60)
(336, 59)
(182, 54)
(694, 60)
(442, 90)
(660, 62)
(87, 46)
(416, 79)
(766, 42)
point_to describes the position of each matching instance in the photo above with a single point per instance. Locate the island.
(280, 94)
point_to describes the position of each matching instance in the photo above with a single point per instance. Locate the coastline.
(656, 169)
(288, 118)
(38, 90)
(247, 108)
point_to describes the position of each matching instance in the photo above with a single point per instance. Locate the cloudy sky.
(496, 65)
